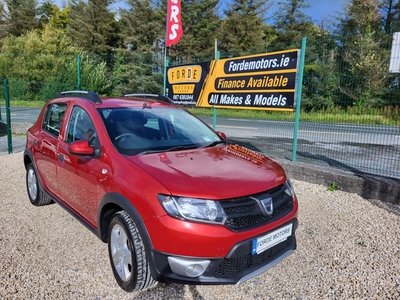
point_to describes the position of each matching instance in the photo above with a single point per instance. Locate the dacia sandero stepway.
(175, 201)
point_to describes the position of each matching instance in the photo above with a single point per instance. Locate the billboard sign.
(265, 81)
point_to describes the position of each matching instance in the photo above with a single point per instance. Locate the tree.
(59, 18)
(45, 63)
(20, 16)
(140, 25)
(390, 10)
(320, 78)
(243, 31)
(138, 66)
(363, 59)
(92, 26)
(200, 22)
(320, 81)
(292, 24)
(44, 13)
(3, 23)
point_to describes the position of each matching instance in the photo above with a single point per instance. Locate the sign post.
(217, 54)
(298, 98)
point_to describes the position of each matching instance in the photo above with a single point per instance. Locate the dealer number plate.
(271, 239)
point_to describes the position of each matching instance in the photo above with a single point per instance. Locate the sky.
(318, 11)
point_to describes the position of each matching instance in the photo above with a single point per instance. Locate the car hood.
(213, 173)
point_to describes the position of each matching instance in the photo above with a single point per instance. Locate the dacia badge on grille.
(268, 206)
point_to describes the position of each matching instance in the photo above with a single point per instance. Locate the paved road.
(313, 132)
(357, 148)
(21, 114)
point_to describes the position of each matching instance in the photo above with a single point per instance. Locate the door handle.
(61, 157)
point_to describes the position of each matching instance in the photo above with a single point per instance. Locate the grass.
(333, 187)
(27, 103)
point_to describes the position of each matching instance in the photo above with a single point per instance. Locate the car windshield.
(157, 129)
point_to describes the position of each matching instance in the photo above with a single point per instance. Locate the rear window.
(53, 118)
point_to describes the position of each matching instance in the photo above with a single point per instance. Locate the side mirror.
(80, 148)
(221, 135)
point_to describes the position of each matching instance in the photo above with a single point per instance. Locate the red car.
(174, 200)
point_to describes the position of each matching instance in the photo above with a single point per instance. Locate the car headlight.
(289, 188)
(200, 210)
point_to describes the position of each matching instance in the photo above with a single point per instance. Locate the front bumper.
(238, 266)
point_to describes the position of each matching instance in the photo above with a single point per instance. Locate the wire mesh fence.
(349, 111)
(370, 149)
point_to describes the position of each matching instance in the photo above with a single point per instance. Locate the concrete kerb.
(367, 186)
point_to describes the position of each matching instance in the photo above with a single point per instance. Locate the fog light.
(188, 267)
(194, 270)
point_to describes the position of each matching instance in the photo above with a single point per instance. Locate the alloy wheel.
(121, 253)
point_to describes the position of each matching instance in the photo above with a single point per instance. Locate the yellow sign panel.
(184, 74)
(183, 88)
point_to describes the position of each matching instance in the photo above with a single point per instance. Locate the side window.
(80, 127)
(53, 118)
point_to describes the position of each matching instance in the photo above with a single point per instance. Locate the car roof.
(127, 100)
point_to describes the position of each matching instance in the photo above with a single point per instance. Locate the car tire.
(34, 188)
(127, 254)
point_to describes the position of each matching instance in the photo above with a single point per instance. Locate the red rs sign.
(174, 23)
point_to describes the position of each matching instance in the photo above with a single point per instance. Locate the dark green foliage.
(136, 73)
(92, 26)
(200, 28)
(361, 55)
(243, 30)
(20, 16)
(47, 63)
(45, 12)
(139, 63)
(292, 24)
(346, 62)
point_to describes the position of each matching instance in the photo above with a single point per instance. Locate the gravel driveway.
(348, 248)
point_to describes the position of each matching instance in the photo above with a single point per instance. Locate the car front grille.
(246, 213)
(232, 266)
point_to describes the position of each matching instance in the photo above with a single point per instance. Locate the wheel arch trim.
(28, 153)
(113, 202)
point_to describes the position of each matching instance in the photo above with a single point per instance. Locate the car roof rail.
(155, 96)
(89, 95)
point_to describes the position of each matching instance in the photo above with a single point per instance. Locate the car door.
(47, 144)
(79, 176)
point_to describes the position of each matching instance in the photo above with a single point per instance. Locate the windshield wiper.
(215, 143)
(182, 147)
(175, 148)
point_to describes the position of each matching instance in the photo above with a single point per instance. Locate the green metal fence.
(349, 115)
